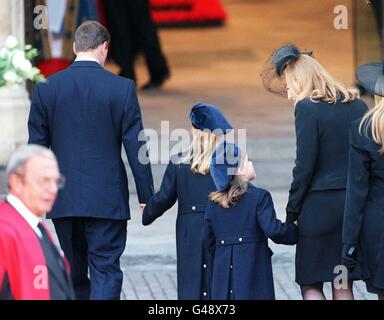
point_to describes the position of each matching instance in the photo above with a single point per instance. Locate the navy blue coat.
(364, 206)
(322, 133)
(85, 114)
(191, 191)
(237, 239)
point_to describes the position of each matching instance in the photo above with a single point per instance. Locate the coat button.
(205, 266)
(193, 208)
(222, 241)
(230, 291)
(231, 267)
(204, 294)
(240, 239)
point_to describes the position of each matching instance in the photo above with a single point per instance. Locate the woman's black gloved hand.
(349, 256)
(291, 217)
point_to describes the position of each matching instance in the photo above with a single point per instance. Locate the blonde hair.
(236, 189)
(200, 151)
(375, 119)
(308, 79)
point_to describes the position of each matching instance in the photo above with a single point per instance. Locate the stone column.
(14, 102)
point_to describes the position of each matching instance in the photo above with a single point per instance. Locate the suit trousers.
(96, 245)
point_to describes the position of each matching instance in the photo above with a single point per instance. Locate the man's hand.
(142, 206)
(349, 256)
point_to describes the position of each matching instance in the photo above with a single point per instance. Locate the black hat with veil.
(274, 67)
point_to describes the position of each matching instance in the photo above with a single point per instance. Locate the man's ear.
(106, 45)
(14, 183)
(74, 49)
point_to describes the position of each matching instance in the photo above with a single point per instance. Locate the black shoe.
(155, 84)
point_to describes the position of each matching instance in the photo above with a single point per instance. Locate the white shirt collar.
(87, 58)
(20, 207)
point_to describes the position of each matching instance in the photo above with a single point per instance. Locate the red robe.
(21, 257)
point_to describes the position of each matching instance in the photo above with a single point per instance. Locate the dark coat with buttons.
(191, 191)
(237, 239)
(364, 206)
(321, 128)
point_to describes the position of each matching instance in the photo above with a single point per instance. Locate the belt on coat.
(192, 208)
(239, 240)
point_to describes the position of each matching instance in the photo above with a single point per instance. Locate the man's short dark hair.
(90, 35)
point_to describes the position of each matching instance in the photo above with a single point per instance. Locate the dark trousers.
(94, 244)
(132, 29)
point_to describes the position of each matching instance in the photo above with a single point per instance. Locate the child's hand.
(295, 222)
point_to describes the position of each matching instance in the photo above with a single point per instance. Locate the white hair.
(21, 156)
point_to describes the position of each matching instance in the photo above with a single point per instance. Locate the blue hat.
(207, 116)
(371, 77)
(224, 164)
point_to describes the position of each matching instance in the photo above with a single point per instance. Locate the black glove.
(349, 256)
(291, 217)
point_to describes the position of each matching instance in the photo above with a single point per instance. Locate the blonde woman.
(324, 110)
(190, 183)
(238, 222)
(363, 232)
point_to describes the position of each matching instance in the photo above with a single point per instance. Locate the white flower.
(10, 76)
(18, 59)
(11, 42)
(28, 47)
(26, 66)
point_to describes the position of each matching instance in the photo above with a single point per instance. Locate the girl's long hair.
(374, 119)
(308, 79)
(236, 189)
(200, 151)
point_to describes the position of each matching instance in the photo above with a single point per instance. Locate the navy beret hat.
(207, 116)
(224, 164)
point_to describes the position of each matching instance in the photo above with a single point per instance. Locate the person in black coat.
(85, 114)
(238, 222)
(363, 229)
(132, 29)
(187, 180)
(324, 110)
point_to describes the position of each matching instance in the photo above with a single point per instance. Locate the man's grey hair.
(90, 35)
(21, 156)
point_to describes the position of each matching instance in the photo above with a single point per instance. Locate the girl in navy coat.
(238, 222)
(188, 181)
(324, 111)
(363, 229)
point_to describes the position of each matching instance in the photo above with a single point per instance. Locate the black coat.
(364, 207)
(322, 134)
(237, 238)
(191, 191)
(85, 114)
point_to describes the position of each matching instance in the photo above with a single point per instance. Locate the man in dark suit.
(85, 114)
(31, 266)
